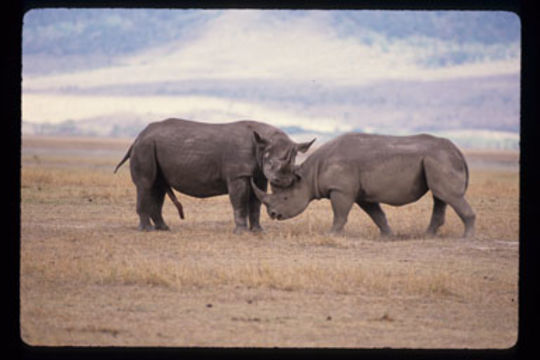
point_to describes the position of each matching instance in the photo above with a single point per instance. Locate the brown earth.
(88, 277)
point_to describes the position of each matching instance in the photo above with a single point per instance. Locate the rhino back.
(380, 168)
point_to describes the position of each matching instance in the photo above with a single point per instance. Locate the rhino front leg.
(255, 207)
(341, 206)
(239, 190)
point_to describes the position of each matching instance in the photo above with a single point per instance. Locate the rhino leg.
(255, 206)
(437, 217)
(448, 183)
(150, 187)
(341, 206)
(158, 197)
(143, 173)
(377, 215)
(143, 209)
(466, 213)
(149, 183)
(239, 190)
(149, 206)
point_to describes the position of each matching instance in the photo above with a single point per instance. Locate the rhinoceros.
(203, 160)
(368, 169)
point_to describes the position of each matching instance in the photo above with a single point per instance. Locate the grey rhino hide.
(369, 169)
(203, 160)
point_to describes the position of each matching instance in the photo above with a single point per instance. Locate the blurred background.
(109, 72)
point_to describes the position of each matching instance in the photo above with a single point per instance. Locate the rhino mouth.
(275, 216)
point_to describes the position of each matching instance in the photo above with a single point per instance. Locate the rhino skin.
(369, 169)
(203, 160)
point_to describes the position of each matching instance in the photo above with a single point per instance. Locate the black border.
(508, 5)
(529, 181)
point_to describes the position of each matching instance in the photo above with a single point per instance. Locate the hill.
(61, 40)
(110, 72)
(476, 112)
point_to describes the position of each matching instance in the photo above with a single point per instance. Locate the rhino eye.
(285, 198)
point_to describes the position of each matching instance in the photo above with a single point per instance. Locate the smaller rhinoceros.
(370, 169)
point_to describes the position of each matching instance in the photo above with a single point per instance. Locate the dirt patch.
(89, 278)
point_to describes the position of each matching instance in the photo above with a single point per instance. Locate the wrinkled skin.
(204, 160)
(370, 169)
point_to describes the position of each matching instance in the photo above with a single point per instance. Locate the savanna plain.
(89, 278)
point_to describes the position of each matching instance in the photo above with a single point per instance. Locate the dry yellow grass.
(89, 278)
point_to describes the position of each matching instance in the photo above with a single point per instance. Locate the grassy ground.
(88, 277)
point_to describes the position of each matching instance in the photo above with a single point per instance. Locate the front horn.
(261, 195)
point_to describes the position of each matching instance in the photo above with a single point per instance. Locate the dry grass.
(382, 279)
(88, 277)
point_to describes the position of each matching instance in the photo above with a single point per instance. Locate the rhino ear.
(303, 147)
(259, 140)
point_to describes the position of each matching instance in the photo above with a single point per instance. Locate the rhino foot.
(143, 227)
(336, 233)
(149, 227)
(389, 237)
(468, 234)
(430, 233)
(239, 230)
(162, 227)
(256, 229)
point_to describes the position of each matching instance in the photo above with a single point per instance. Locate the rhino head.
(278, 158)
(287, 202)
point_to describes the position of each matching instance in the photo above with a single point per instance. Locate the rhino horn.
(289, 156)
(261, 195)
(303, 147)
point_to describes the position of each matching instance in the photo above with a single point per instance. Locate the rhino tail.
(465, 166)
(175, 201)
(466, 170)
(128, 154)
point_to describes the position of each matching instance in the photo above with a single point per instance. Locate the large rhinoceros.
(370, 169)
(204, 160)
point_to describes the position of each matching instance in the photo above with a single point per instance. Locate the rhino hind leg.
(158, 197)
(150, 185)
(437, 216)
(466, 213)
(448, 184)
(143, 209)
(149, 206)
(378, 216)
